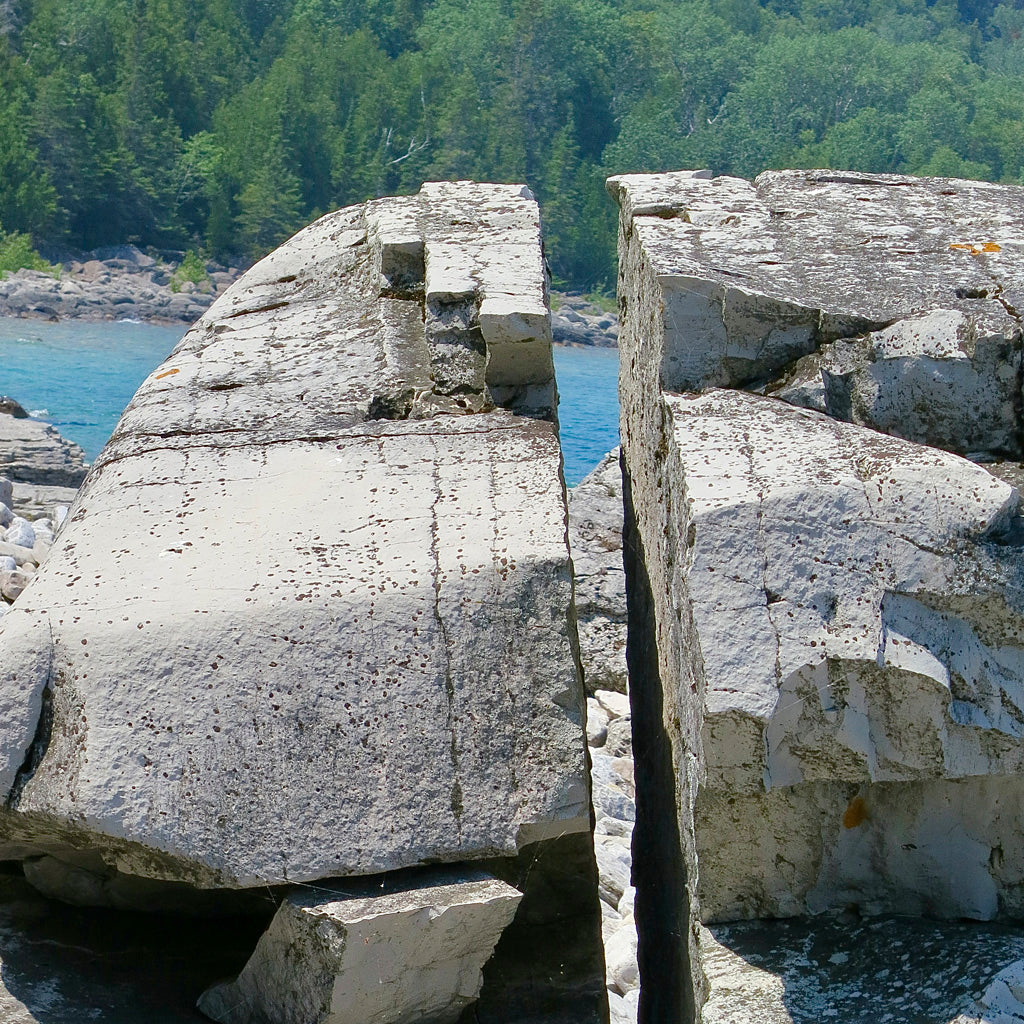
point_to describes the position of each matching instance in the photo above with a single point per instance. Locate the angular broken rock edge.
(334, 634)
(826, 623)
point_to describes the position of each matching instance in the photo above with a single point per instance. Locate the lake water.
(80, 376)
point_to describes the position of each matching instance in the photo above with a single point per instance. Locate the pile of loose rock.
(114, 284)
(23, 547)
(611, 773)
(595, 539)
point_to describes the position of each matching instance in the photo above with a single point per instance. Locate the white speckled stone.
(400, 957)
(302, 621)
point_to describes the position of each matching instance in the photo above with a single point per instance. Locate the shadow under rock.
(61, 964)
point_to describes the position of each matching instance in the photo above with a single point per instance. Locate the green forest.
(226, 125)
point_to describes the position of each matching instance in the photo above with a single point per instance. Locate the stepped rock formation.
(826, 621)
(333, 633)
(34, 452)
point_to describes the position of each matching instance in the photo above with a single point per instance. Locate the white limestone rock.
(858, 602)
(620, 954)
(302, 621)
(595, 539)
(399, 957)
(827, 624)
(751, 276)
(938, 379)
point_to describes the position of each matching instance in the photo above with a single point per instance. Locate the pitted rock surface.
(755, 275)
(331, 633)
(826, 646)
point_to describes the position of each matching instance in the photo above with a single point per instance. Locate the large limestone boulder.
(826, 623)
(332, 632)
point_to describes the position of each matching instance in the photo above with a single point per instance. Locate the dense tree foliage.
(227, 124)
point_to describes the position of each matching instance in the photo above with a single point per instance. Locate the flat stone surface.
(756, 274)
(303, 620)
(885, 970)
(407, 954)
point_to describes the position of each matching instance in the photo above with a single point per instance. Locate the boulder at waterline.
(34, 452)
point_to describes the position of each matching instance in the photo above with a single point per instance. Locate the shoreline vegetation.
(224, 125)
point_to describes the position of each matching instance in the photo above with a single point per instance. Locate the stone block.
(399, 956)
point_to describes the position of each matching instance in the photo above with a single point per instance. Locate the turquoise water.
(80, 376)
(588, 410)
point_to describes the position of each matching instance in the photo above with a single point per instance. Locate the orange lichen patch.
(856, 813)
(976, 250)
(167, 373)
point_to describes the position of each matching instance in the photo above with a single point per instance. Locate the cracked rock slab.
(34, 452)
(398, 957)
(753, 275)
(310, 615)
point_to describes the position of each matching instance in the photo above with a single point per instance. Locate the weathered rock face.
(826, 644)
(937, 379)
(378, 670)
(34, 452)
(754, 275)
(396, 957)
(595, 540)
(858, 602)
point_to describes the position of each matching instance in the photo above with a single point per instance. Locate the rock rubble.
(575, 321)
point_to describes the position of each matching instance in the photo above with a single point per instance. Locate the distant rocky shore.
(125, 283)
(120, 283)
(575, 320)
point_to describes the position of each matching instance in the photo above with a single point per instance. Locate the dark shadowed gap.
(659, 873)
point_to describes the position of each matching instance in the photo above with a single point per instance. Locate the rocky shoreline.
(125, 283)
(121, 283)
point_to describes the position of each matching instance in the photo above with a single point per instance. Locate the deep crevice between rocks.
(659, 872)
